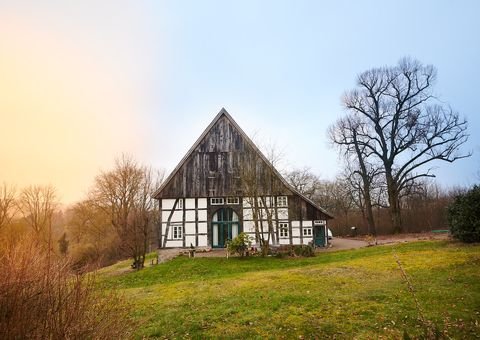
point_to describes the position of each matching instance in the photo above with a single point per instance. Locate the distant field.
(356, 293)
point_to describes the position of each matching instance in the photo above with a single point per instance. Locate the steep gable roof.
(224, 113)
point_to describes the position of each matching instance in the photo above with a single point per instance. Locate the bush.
(296, 250)
(304, 250)
(464, 216)
(40, 298)
(240, 244)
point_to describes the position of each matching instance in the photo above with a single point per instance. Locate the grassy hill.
(357, 293)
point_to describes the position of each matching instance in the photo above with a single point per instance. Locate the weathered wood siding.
(216, 166)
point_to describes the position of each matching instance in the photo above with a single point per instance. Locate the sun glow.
(65, 112)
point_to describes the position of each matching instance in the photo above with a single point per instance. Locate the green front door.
(319, 236)
(225, 226)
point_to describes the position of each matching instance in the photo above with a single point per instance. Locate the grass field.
(356, 293)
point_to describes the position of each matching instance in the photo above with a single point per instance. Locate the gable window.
(233, 200)
(283, 229)
(180, 204)
(177, 231)
(217, 201)
(307, 231)
(281, 201)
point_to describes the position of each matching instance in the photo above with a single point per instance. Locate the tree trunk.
(393, 200)
(369, 212)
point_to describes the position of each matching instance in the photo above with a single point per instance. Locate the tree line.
(116, 220)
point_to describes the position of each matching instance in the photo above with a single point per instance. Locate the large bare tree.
(407, 127)
(124, 193)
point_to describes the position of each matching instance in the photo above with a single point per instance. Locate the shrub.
(296, 250)
(40, 298)
(240, 244)
(304, 250)
(464, 216)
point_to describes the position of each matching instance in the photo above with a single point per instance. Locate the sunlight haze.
(81, 83)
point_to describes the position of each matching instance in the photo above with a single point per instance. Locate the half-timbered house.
(225, 185)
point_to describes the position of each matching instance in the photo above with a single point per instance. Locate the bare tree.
(260, 185)
(93, 238)
(407, 127)
(124, 193)
(37, 204)
(304, 181)
(348, 134)
(7, 204)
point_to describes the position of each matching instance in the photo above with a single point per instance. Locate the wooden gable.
(216, 163)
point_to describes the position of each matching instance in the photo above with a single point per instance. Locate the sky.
(83, 82)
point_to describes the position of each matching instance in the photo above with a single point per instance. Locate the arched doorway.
(225, 226)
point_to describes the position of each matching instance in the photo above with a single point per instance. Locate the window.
(233, 200)
(281, 201)
(283, 229)
(180, 204)
(177, 231)
(217, 201)
(307, 231)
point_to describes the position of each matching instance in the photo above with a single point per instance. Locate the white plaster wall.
(202, 240)
(282, 213)
(295, 223)
(284, 241)
(307, 223)
(295, 231)
(190, 203)
(202, 228)
(165, 215)
(176, 243)
(202, 203)
(307, 239)
(177, 216)
(188, 240)
(248, 226)
(202, 215)
(189, 228)
(167, 204)
(247, 214)
(190, 215)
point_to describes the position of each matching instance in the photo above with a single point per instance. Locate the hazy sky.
(81, 82)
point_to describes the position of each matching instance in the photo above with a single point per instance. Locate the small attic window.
(180, 204)
(217, 201)
(282, 201)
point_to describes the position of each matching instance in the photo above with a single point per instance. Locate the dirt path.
(339, 243)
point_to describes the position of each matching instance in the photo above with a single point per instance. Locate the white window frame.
(283, 230)
(179, 204)
(177, 231)
(308, 231)
(217, 201)
(233, 200)
(282, 201)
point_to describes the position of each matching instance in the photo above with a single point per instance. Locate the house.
(225, 185)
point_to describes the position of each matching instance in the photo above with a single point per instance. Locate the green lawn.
(356, 293)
